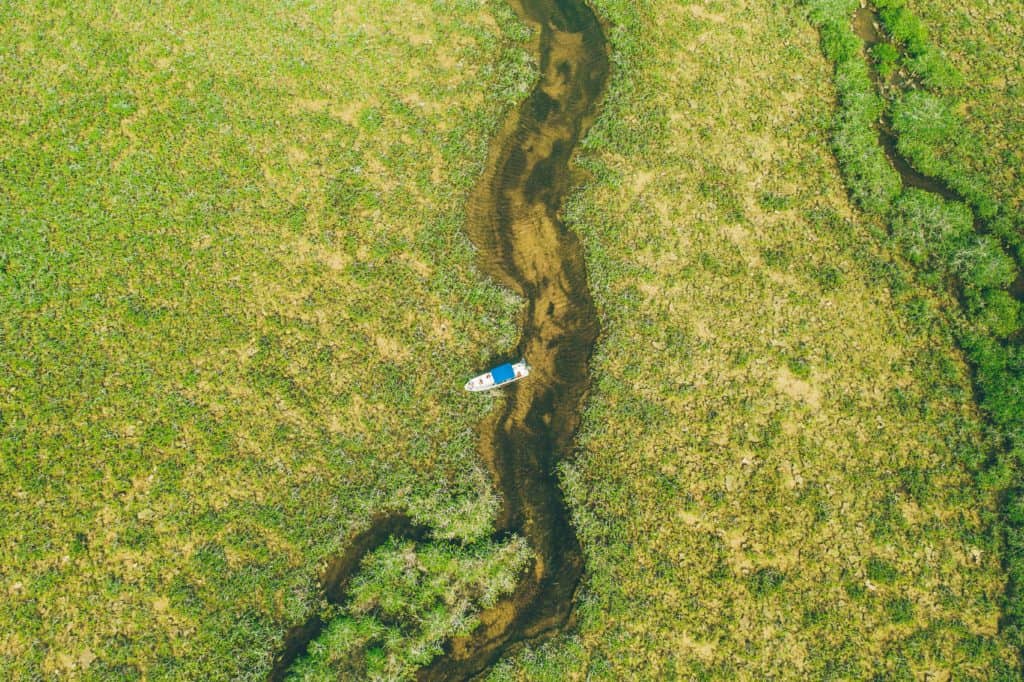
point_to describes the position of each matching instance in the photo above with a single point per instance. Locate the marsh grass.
(971, 248)
(236, 311)
(237, 305)
(406, 601)
(983, 42)
(778, 405)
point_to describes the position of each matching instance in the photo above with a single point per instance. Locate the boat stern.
(483, 382)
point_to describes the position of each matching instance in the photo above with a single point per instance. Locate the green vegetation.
(972, 248)
(930, 132)
(405, 603)
(775, 474)
(985, 44)
(230, 238)
(934, 139)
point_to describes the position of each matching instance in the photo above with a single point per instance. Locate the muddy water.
(867, 26)
(521, 242)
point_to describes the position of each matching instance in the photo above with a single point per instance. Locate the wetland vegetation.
(250, 252)
(238, 307)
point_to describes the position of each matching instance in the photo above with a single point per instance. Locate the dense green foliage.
(985, 42)
(971, 247)
(405, 602)
(873, 182)
(931, 136)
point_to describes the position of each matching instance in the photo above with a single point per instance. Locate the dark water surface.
(522, 243)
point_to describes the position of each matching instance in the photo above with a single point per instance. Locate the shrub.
(996, 311)
(999, 372)
(905, 28)
(983, 264)
(765, 581)
(838, 43)
(886, 59)
(1011, 232)
(900, 610)
(927, 118)
(930, 231)
(935, 71)
(880, 570)
(1014, 508)
(873, 183)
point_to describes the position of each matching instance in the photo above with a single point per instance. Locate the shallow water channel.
(867, 25)
(522, 243)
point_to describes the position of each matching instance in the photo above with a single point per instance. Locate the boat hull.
(487, 382)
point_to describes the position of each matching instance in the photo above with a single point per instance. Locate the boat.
(499, 376)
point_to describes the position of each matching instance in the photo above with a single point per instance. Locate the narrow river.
(522, 243)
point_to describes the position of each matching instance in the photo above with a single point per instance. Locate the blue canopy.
(503, 373)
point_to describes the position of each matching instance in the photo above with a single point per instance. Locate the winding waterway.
(513, 220)
(866, 24)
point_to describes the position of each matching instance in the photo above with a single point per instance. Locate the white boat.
(499, 376)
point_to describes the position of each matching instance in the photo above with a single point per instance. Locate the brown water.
(522, 243)
(866, 26)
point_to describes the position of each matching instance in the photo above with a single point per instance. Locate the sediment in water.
(513, 220)
(522, 243)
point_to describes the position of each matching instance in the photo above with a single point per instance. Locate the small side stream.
(867, 25)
